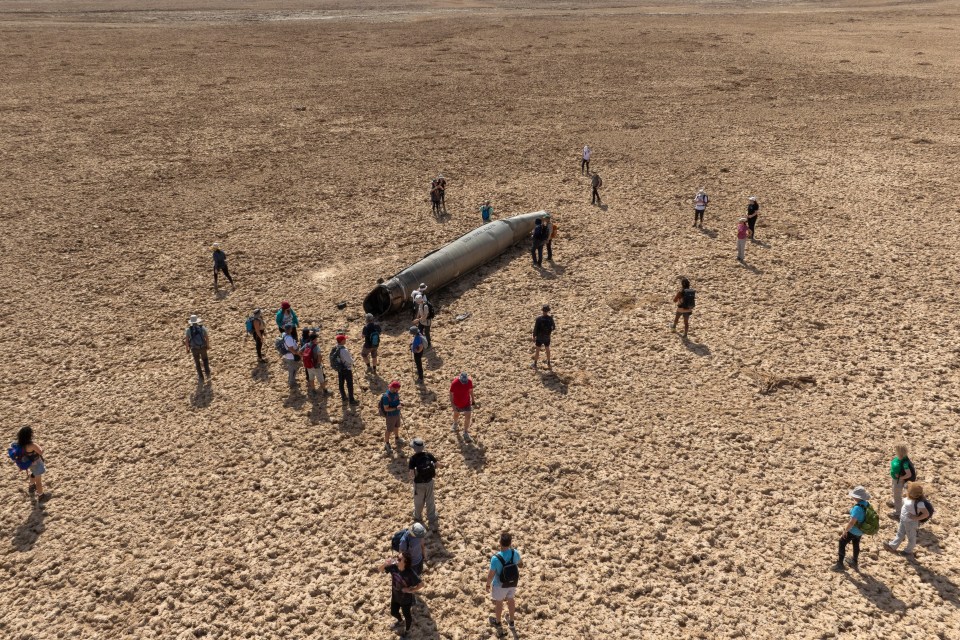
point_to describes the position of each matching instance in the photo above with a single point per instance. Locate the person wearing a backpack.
(595, 183)
(753, 209)
(700, 202)
(435, 198)
(389, 410)
(543, 328)
(916, 509)
(291, 354)
(424, 318)
(863, 520)
(686, 300)
(255, 327)
(417, 346)
(371, 342)
(585, 161)
(423, 469)
(539, 236)
(196, 339)
(411, 544)
(902, 471)
(405, 583)
(551, 234)
(486, 212)
(742, 233)
(342, 361)
(220, 264)
(312, 363)
(28, 456)
(502, 579)
(286, 315)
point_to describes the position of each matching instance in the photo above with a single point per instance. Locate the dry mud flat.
(651, 487)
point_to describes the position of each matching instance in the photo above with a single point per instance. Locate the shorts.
(315, 375)
(37, 468)
(463, 409)
(543, 342)
(368, 351)
(503, 593)
(393, 422)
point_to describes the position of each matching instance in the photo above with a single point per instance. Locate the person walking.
(742, 233)
(424, 318)
(313, 364)
(405, 583)
(902, 471)
(502, 580)
(417, 347)
(291, 354)
(462, 401)
(344, 370)
(486, 212)
(700, 201)
(423, 469)
(411, 544)
(686, 300)
(371, 342)
(389, 409)
(551, 234)
(595, 183)
(28, 456)
(753, 209)
(539, 236)
(220, 264)
(543, 328)
(915, 510)
(197, 341)
(256, 328)
(286, 315)
(585, 161)
(863, 520)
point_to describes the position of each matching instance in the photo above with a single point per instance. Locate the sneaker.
(549, 366)
(386, 448)
(889, 547)
(838, 567)
(400, 442)
(533, 365)
(893, 515)
(354, 402)
(851, 563)
(510, 621)
(467, 438)
(454, 427)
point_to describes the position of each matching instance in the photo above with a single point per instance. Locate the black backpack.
(431, 312)
(509, 571)
(425, 470)
(335, 362)
(689, 300)
(908, 465)
(925, 503)
(397, 538)
(197, 340)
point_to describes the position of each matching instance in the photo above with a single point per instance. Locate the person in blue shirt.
(506, 556)
(852, 532)
(486, 211)
(389, 408)
(417, 345)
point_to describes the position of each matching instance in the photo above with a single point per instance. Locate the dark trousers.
(536, 251)
(584, 166)
(396, 608)
(259, 342)
(198, 355)
(226, 272)
(843, 547)
(550, 250)
(595, 197)
(425, 330)
(698, 215)
(418, 360)
(345, 377)
(751, 222)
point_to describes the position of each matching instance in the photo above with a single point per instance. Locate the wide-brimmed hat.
(195, 319)
(417, 443)
(369, 317)
(257, 312)
(859, 493)
(216, 245)
(752, 199)
(418, 530)
(742, 220)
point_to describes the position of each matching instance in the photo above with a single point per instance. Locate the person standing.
(371, 342)
(595, 183)
(486, 212)
(742, 232)
(462, 402)
(502, 579)
(411, 544)
(312, 363)
(700, 202)
(389, 408)
(424, 318)
(442, 185)
(585, 160)
(345, 370)
(543, 328)
(421, 290)
(686, 300)
(220, 264)
(860, 522)
(256, 328)
(753, 209)
(539, 236)
(286, 315)
(423, 469)
(435, 198)
(417, 347)
(197, 341)
(551, 234)
(28, 455)
(405, 583)
(912, 513)
(901, 472)
(291, 356)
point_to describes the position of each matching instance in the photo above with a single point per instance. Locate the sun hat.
(369, 317)
(284, 305)
(743, 219)
(752, 199)
(341, 337)
(394, 384)
(418, 296)
(216, 245)
(414, 331)
(418, 530)
(257, 312)
(464, 377)
(194, 319)
(423, 286)
(859, 493)
(417, 443)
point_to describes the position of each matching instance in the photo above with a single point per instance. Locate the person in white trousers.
(914, 511)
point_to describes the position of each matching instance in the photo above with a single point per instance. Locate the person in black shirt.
(595, 184)
(752, 209)
(542, 329)
(405, 582)
(371, 342)
(220, 264)
(539, 240)
(423, 468)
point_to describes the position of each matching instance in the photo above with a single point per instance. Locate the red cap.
(394, 384)
(341, 338)
(284, 305)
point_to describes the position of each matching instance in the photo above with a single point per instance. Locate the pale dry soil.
(652, 489)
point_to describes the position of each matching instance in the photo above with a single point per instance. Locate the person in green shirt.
(901, 472)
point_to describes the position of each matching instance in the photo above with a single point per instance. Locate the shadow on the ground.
(27, 533)
(876, 592)
(696, 348)
(202, 395)
(554, 382)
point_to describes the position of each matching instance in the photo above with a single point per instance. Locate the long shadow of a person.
(27, 533)
(948, 591)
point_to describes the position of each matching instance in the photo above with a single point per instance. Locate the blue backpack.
(250, 324)
(19, 456)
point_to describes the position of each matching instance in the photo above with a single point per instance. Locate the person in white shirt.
(585, 162)
(419, 291)
(292, 357)
(700, 202)
(423, 318)
(913, 512)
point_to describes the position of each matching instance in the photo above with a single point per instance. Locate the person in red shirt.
(462, 401)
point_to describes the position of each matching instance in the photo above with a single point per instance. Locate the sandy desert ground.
(653, 490)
